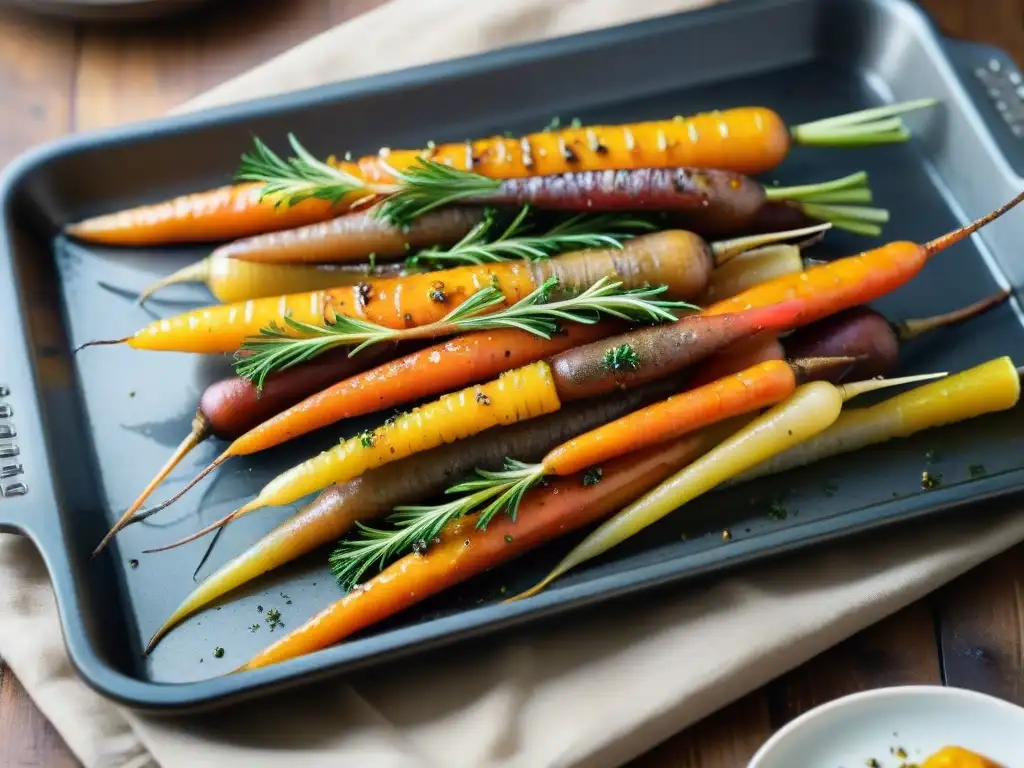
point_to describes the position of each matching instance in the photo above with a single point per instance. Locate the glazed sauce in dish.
(958, 757)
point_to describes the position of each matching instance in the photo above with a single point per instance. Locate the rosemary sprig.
(517, 243)
(416, 527)
(302, 177)
(427, 185)
(278, 348)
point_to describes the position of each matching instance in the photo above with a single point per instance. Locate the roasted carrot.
(355, 237)
(748, 140)
(860, 332)
(854, 280)
(810, 410)
(337, 509)
(565, 505)
(679, 260)
(433, 370)
(231, 280)
(516, 395)
(875, 340)
(987, 388)
(706, 201)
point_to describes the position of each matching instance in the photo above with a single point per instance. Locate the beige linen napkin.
(592, 691)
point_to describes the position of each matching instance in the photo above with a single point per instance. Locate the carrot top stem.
(914, 327)
(278, 348)
(867, 127)
(856, 388)
(855, 182)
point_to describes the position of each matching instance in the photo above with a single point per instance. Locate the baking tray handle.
(996, 84)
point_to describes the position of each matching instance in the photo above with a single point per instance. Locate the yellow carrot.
(986, 388)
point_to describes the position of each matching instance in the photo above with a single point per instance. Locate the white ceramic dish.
(848, 732)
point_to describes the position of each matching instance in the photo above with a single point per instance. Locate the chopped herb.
(482, 398)
(274, 619)
(726, 535)
(508, 539)
(495, 283)
(592, 476)
(777, 511)
(508, 135)
(830, 489)
(976, 470)
(367, 439)
(503, 589)
(575, 123)
(132, 393)
(554, 124)
(621, 358)
(898, 752)
(218, 652)
(371, 261)
(930, 481)
(287, 600)
(419, 547)
(436, 292)
(253, 627)
(133, 563)
(872, 763)
(683, 537)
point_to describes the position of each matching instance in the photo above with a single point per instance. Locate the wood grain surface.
(58, 77)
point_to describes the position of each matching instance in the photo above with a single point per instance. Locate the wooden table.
(56, 78)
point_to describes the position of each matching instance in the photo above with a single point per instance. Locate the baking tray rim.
(171, 698)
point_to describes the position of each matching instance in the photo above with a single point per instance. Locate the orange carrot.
(845, 283)
(564, 506)
(748, 140)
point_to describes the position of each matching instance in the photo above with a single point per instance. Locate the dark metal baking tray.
(92, 429)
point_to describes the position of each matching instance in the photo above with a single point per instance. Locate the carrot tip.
(100, 343)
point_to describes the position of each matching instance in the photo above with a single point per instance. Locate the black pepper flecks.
(133, 563)
(436, 292)
(592, 476)
(363, 294)
(930, 481)
(482, 398)
(777, 511)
